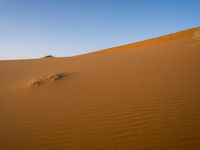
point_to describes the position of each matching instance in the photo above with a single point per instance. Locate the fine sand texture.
(140, 96)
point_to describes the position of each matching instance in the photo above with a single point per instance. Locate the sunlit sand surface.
(141, 96)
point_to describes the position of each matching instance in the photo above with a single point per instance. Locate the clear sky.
(35, 28)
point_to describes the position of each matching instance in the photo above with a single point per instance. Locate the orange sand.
(141, 96)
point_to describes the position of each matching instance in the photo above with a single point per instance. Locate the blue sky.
(35, 28)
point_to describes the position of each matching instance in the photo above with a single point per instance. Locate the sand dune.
(140, 96)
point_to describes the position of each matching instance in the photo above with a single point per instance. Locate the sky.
(36, 28)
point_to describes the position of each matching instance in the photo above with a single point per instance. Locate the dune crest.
(158, 41)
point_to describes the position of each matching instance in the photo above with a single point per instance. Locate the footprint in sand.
(51, 78)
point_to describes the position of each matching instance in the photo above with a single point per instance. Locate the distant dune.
(140, 96)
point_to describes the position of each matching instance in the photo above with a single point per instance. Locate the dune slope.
(140, 96)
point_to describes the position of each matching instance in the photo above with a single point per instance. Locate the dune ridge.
(162, 40)
(141, 96)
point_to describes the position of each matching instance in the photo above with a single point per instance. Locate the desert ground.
(140, 96)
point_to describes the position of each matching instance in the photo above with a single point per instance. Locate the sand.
(140, 96)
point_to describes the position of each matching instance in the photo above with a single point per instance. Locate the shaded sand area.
(141, 96)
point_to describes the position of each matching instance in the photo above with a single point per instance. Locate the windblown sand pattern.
(141, 96)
